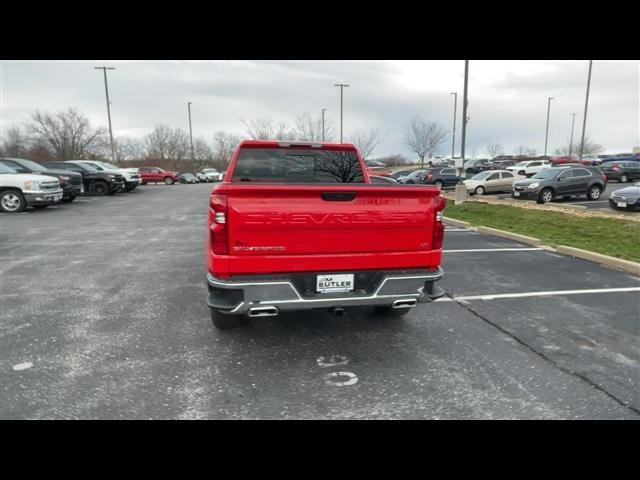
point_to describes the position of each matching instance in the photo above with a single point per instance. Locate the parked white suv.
(21, 190)
(209, 175)
(131, 176)
(529, 167)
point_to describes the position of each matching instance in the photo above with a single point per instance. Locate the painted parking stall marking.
(497, 296)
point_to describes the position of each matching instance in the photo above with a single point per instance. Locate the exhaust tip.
(405, 303)
(263, 312)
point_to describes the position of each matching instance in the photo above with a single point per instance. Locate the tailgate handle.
(338, 196)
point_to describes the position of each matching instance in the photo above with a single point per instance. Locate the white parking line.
(517, 249)
(464, 298)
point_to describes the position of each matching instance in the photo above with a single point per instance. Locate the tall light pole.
(546, 135)
(586, 105)
(455, 106)
(323, 110)
(341, 85)
(461, 190)
(190, 131)
(573, 121)
(106, 89)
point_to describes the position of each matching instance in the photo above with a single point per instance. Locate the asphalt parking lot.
(104, 316)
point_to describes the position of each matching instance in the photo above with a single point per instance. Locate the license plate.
(516, 194)
(622, 204)
(334, 283)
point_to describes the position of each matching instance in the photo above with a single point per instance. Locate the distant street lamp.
(106, 89)
(573, 121)
(190, 131)
(341, 85)
(586, 106)
(546, 136)
(323, 110)
(455, 105)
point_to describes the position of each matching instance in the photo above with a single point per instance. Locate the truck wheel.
(391, 312)
(168, 180)
(479, 191)
(99, 188)
(12, 201)
(594, 192)
(624, 178)
(224, 321)
(439, 184)
(546, 195)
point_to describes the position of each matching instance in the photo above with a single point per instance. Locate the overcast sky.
(507, 99)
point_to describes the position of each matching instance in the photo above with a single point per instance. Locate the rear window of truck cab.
(297, 165)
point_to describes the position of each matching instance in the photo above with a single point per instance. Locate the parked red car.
(157, 175)
(299, 226)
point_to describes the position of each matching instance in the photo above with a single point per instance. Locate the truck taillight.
(438, 226)
(218, 225)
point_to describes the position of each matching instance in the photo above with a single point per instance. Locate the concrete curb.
(456, 223)
(512, 236)
(606, 260)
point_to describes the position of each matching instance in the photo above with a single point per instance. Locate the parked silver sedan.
(491, 181)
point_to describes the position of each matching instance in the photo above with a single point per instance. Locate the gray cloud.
(507, 99)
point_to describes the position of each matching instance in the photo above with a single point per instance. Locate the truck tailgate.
(285, 228)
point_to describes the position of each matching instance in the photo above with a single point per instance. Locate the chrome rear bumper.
(271, 297)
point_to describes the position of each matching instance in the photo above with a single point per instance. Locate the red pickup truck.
(298, 226)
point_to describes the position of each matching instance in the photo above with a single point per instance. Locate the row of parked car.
(539, 180)
(26, 183)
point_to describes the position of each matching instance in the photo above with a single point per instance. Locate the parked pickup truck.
(21, 190)
(298, 226)
(209, 175)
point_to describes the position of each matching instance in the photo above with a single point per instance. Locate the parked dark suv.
(95, 182)
(624, 172)
(442, 177)
(565, 182)
(70, 182)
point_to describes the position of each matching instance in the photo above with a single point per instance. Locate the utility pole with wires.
(106, 89)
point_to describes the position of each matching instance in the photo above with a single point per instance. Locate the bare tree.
(128, 149)
(202, 154)
(266, 128)
(65, 135)
(424, 138)
(15, 143)
(494, 149)
(165, 143)
(309, 129)
(367, 140)
(523, 150)
(589, 148)
(224, 145)
(395, 160)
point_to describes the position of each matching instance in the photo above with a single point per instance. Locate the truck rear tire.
(224, 321)
(391, 312)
